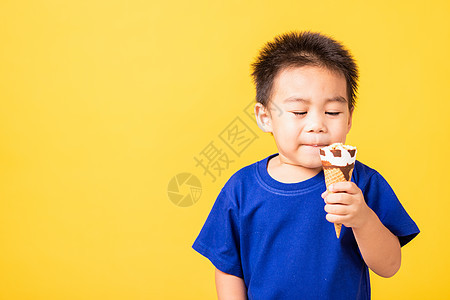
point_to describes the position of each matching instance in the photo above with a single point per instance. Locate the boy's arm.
(230, 287)
(379, 248)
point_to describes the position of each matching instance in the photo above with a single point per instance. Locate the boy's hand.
(346, 205)
(379, 248)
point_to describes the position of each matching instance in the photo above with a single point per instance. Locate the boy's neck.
(289, 173)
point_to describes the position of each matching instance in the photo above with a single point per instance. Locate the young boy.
(270, 233)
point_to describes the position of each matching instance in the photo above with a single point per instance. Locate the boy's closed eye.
(331, 113)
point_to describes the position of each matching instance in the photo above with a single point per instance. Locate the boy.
(269, 233)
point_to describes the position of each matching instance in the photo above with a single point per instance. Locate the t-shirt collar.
(315, 182)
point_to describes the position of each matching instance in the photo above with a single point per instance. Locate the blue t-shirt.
(275, 236)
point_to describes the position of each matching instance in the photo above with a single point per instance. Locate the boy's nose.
(315, 124)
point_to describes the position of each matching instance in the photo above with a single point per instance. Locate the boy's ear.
(263, 117)
(350, 118)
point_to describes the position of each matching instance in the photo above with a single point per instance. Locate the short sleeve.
(383, 201)
(219, 238)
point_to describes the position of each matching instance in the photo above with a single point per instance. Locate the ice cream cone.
(338, 161)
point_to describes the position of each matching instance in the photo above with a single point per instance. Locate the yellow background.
(103, 102)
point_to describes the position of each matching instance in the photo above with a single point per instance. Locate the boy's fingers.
(335, 218)
(338, 198)
(335, 209)
(344, 186)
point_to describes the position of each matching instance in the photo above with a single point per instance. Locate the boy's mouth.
(315, 145)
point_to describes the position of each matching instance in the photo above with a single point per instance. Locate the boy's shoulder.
(247, 176)
(247, 172)
(363, 174)
(363, 170)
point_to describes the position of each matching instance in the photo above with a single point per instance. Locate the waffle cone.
(333, 175)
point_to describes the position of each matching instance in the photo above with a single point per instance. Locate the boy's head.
(298, 49)
(305, 91)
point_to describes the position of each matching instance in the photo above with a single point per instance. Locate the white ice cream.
(342, 161)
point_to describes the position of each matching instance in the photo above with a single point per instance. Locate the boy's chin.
(313, 165)
(310, 164)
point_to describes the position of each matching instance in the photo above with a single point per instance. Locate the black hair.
(297, 49)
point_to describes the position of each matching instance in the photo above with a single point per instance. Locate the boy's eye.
(299, 113)
(332, 113)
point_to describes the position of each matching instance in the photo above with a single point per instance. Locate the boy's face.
(308, 110)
